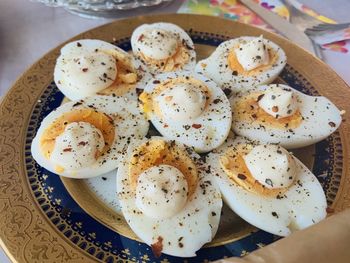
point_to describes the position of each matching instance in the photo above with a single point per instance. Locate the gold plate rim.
(23, 225)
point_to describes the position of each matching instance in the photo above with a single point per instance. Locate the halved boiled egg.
(267, 186)
(168, 197)
(188, 108)
(162, 47)
(86, 138)
(243, 62)
(88, 67)
(277, 113)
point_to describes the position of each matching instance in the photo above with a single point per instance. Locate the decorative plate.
(45, 218)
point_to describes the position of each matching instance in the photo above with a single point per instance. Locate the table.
(28, 30)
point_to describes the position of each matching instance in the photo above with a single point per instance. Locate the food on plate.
(86, 138)
(277, 113)
(89, 66)
(162, 47)
(188, 108)
(243, 62)
(168, 196)
(267, 186)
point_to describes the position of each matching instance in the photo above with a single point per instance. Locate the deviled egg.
(88, 67)
(267, 186)
(277, 113)
(87, 138)
(162, 47)
(243, 62)
(168, 197)
(188, 108)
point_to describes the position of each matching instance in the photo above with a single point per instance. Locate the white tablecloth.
(28, 30)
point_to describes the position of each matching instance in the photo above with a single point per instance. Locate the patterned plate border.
(25, 230)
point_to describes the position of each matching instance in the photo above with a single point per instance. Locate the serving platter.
(45, 218)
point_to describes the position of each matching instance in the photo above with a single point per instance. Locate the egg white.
(217, 67)
(215, 121)
(318, 112)
(146, 71)
(131, 125)
(72, 50)
(105, 188)
(199, 218)
(301, 206)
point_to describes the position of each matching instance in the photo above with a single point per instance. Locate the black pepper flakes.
(216, 101)
(241, 176)
(186, 45)
(332, 124)
(260, 97)
(269, 182)
(279, 197)
(274, 214)
(227, 92)
(77, 104)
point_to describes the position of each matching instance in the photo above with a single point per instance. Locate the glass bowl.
(102, 8)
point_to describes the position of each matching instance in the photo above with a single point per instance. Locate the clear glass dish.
(101, 8)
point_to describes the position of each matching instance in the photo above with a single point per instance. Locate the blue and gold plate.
(45, 218)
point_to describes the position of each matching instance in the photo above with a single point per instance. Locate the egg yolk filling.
(163, 50)
(249, 109)
(181, 99)
(267, 170)
(147, 161)
(126, 78)
(236, 67)
(101, 122)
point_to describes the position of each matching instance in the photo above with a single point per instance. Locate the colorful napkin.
(231, 9)
(307, 10)
(336, 41)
